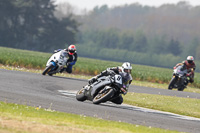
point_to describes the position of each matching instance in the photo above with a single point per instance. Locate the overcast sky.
(90, 4)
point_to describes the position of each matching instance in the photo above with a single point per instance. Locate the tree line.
(110, 44)
(138, 42)
(168, 29)
(158, 36)
(32, 25)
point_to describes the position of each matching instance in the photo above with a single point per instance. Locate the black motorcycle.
(105, 89)
(179, 79)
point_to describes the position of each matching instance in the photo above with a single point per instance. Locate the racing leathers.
(190, 69)
(126, 80)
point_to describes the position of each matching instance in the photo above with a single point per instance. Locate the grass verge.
(21, 118)
(177, 105)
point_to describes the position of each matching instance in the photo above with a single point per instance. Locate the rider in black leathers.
(124, 71)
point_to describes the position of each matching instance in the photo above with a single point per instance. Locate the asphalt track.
(58, 93)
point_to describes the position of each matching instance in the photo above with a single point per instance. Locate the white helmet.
(126, 67)
(190, 59)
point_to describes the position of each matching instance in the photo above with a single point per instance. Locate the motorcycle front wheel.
(181, 86)
(47, 69)
(103, 97)
(171, 84)
(80, 96)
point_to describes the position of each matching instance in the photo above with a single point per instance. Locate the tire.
(181, 88)
(103, 97)
(47, 69)
(171, 84)
(80, 95)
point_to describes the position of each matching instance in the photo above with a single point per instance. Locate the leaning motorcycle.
(55, 63)
(179, 79)
(105, 89)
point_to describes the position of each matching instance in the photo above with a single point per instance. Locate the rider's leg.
(69, 69)
(191, 78)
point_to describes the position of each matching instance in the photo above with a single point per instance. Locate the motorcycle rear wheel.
(181, 89)
(103, 97)
(80, 96)
(47, 69)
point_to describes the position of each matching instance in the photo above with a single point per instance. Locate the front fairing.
(180, 75)
(180, 71)
(99, 84)
(60, 58)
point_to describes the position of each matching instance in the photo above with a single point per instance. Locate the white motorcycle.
(56, 63)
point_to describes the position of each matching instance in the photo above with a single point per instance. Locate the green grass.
(178, 105)
(21, 118)
(37, 60)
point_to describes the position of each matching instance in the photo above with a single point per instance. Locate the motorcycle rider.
(72, 58)
(124, 71)
(189, 64)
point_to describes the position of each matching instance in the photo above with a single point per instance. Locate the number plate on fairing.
(118, 79)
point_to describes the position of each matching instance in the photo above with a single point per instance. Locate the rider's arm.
(108, 71)
(76, 57)
(113, 69)
(127, 84)
(72, 59)
(179, 64)
(194, 67)
(192, 70)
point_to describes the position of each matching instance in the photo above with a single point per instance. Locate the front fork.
(54, 64)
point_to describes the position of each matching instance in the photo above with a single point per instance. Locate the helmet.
(71, 49)
(125, 72)
(190, 59)
(126, 67)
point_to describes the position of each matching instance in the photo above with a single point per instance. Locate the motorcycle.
(105, 89)
(179, 79)
(55, 63)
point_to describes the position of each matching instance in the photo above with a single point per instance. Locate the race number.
(118, 79)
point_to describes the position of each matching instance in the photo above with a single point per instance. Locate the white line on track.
(135, 108)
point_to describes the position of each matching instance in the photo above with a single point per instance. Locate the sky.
(90, 4)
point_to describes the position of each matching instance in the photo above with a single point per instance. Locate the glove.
(124, 91)
(92, 80)
(188, 74)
